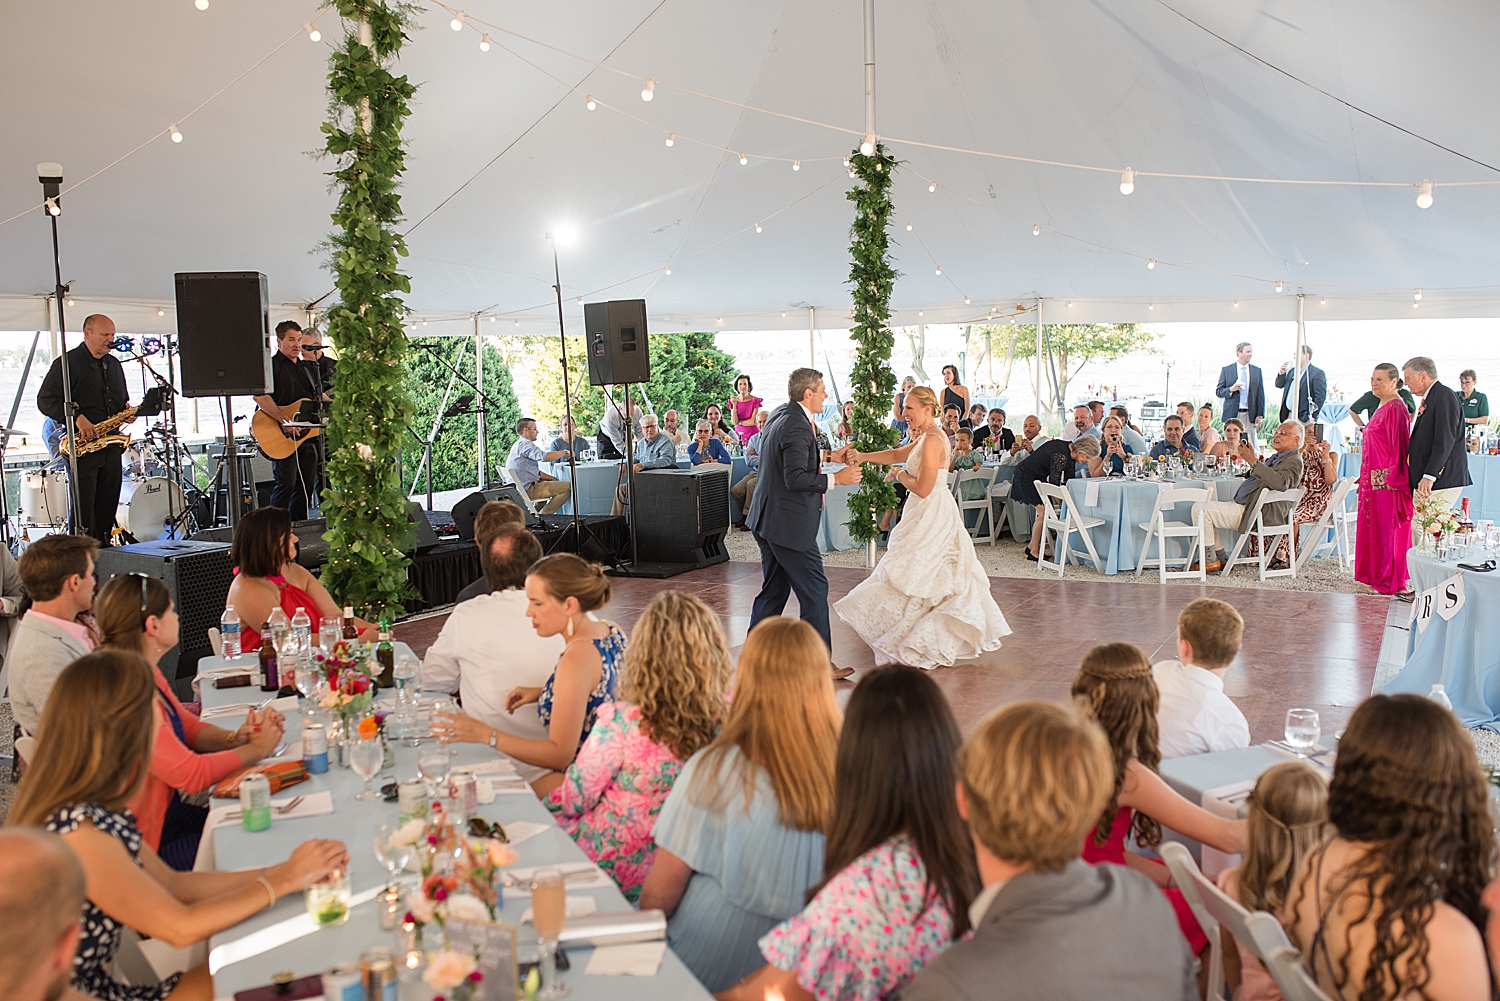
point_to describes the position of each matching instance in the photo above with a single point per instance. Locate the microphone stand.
(485, 400)
(52, 205)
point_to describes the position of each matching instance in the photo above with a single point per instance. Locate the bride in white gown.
(927, 603)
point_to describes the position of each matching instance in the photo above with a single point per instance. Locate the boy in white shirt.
(1194, 715)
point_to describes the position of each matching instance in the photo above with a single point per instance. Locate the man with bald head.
(97, 382)
(42, 892)
(1282, 470)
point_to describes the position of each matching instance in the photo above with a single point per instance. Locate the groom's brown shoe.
(842, 673)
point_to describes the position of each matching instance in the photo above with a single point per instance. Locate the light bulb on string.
(908, 227)
(1236, 304)
(457, 24)
(1418, 295)
(71, 302)
(1323, 302)
(878, 168)
(671, 138)
(160, 311)
(846, 161)
(920, 313)
(867, 145)
(937, 271)
(53, 208)
(1036, 231)
(796, 164)
(580, 300)
(424, 323)
(589, 102)
(669, 270)
(757, 227)
(744, 159)
(648, 91)
(966, 300)
(1070, 305)
(176, 133)
(313, 34)
(783, 314)
(518, 321)
(1151, 305)
(721, 321)
(201, 4)
(1127, 180)
(1151, 265)
(1424, 195)
(932, 186)
(851, 172)
(484, 43)
(1415, 305)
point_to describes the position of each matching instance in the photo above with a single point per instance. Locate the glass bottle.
(385, 656)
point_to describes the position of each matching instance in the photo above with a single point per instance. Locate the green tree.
(712, 372)
(455, 455)
(1067, 347)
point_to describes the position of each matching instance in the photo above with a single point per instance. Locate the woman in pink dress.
(742, 407)
(1385, 510)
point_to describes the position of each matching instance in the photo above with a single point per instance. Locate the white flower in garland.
(365, 451)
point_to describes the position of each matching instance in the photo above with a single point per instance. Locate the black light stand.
(50, 174)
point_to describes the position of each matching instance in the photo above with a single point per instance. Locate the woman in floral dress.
(676, 671)
(898, 867)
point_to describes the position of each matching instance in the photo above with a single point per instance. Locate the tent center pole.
(869, 67)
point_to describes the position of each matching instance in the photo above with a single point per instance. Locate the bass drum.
(44, 497)
(148, 506)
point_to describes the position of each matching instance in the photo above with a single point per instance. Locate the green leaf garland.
(369, 532)
(872, 279)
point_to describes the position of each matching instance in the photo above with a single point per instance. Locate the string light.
(313, 34)
(1279, 286)
(757, 227)
(1036, 231)
(176, 133)
(1236, 304)
(484, 43)
(1415, 305)
(457, 24)
(493, 317)
(1127, 180)
(744, 159)
(160, 311)
(424, 323)
(908, 227)
(920, 313)
(201, 4)
(851, 172)
(721, 321)
(1151, 266)
(1424, 195)
(53, 208)
(796, 164)
(671, 138)
(669, 270)
(783, 314)
(580, 300)
(867, 145)
(1418, 295)
(648, 91)
(932, 186)
(878, 168)
(846, 162)
(589, 102)
(518, 321)
(1151, 305)
(1323, 301)
(71, 302)
(938, 271)
(966, 300)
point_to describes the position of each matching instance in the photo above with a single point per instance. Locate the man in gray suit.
(58, 572)
(1048, 926)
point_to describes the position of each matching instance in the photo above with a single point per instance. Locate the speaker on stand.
(619, 352)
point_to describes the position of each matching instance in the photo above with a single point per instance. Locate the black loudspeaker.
(682, 515)
(223, 332)
(427, 539)
(197, 574)
(466, 510)
(615, 338)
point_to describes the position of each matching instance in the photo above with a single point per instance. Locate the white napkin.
(486, 789)
(232, 709)
(293, 752)
(641, 959)
(524, 830)
(286, 704)
(1091, 493)
(577, 907)
(597, 878)
(313, 805)
(486, 767)
(1224, 801)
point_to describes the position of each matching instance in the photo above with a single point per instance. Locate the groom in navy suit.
(787, 507)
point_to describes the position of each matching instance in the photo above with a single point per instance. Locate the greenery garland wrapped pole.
(369, 531)
(873, 383)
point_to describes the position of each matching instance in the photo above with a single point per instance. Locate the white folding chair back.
(506, 477)
(1292, 977)
(1345, 521)
(1062, 519)
(1339, 544)
(984, 526)
(1262, 532)
(953, 475)
(1162, 530)
(216, 641)
(1185, 873)
(25, 748)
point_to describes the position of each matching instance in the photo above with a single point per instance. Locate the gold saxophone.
(104, 439)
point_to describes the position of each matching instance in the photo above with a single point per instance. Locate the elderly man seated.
(1031, 439)
(1176, 443)
(745, 488)
(1083, 424)
(654, 451)
(1281, 471)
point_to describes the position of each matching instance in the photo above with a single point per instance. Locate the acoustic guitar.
(277, 441)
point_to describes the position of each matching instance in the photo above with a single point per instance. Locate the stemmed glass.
(1302, 730)
(365, 757)
(389, 853)
(435, 765)
(549, 908)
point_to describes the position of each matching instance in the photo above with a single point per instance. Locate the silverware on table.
(282, 810)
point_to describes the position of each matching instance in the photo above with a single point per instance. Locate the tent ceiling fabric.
(1109, 82)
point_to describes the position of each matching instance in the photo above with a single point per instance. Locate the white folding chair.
(1263, 532)
(1187, 877)
(507, 478)
(1339, 544)
(1062, 521)
(1162, 529)
(216, 641)
(983, 525)
(953, 475)
(1292, 977)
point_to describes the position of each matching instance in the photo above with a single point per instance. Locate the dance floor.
(1301, 649)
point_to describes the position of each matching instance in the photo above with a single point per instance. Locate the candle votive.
(392, 906)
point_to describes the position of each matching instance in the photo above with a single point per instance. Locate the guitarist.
(98, 388)
(292, 379)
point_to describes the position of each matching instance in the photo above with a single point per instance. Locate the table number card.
(496, 945)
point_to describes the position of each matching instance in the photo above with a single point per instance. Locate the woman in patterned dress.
(898, 867)
(561, 591)
(672, 704)
(93, 752)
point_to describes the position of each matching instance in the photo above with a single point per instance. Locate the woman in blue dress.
(561, 591)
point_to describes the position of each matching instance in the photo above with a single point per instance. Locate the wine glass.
(435, 764)
(549, 908)
(390, 854)
(330, 631)
(365, 757)
(1302, 730)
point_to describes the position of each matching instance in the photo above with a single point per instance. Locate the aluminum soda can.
(315, 748)
(465, 793)
(255, 802)
(377, 969)
(343, 983)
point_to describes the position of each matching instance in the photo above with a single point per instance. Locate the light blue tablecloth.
(1193, 775)
(354, 823)
(1483, 494)
(596, 484)
(1462, 653)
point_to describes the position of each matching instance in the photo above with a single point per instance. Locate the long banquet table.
(239, 959)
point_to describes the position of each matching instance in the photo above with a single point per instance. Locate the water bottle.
(302, 631)
(229, 631)
(1440, 696)
(279, 625)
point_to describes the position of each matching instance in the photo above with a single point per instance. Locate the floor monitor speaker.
(466, 510)
(615, 338)
(682, 515)
(223, 332)
(197, 574)
(426, 535)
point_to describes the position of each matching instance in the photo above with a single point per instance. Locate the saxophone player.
(98, 390)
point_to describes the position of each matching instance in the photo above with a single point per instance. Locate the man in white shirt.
(487, 647)
(1194, 716)
(1031, 438)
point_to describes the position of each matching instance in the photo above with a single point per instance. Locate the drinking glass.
(327, 895)
(391, 855)
(330, 631)
(365, 757)
(1302, 729)
(549, 907)
(435, 765)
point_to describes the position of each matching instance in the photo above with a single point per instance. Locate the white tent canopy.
(1112, 83)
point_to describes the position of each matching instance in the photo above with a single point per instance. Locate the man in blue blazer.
(1242, 389)
(1311, 394)
(787, 508)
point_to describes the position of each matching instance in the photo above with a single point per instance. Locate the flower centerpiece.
(455, 974)
(350, 687)
(460, 874)
(1434, 516)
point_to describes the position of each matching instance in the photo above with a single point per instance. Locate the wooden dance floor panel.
(1313, 650)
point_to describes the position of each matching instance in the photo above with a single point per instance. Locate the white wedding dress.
(927, 604)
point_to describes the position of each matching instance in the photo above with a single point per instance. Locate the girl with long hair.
(740, 838)
(1390, 906)
(1115, 686)
(561, 591)
(1288, 818)
(672, 703)
(898, 867)
(93, 755)
(134, 612)
(1235, 442)
(743, 405)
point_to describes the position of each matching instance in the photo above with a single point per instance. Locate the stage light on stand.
(313, 34)
(589, 102)
(484, 43)
(1127, 180)
(457, 24)
(648, 91)
(176, 133)
(671, 138)
(1424, 195)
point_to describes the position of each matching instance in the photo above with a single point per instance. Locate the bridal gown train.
(927, 604)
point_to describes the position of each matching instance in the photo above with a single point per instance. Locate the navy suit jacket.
(1437, 441)
(1314, 392)
(787, 507)
(1228, 376)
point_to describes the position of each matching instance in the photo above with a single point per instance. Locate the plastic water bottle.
(229, 632)
(302, 632)
(279, 625)
(1440, 696)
